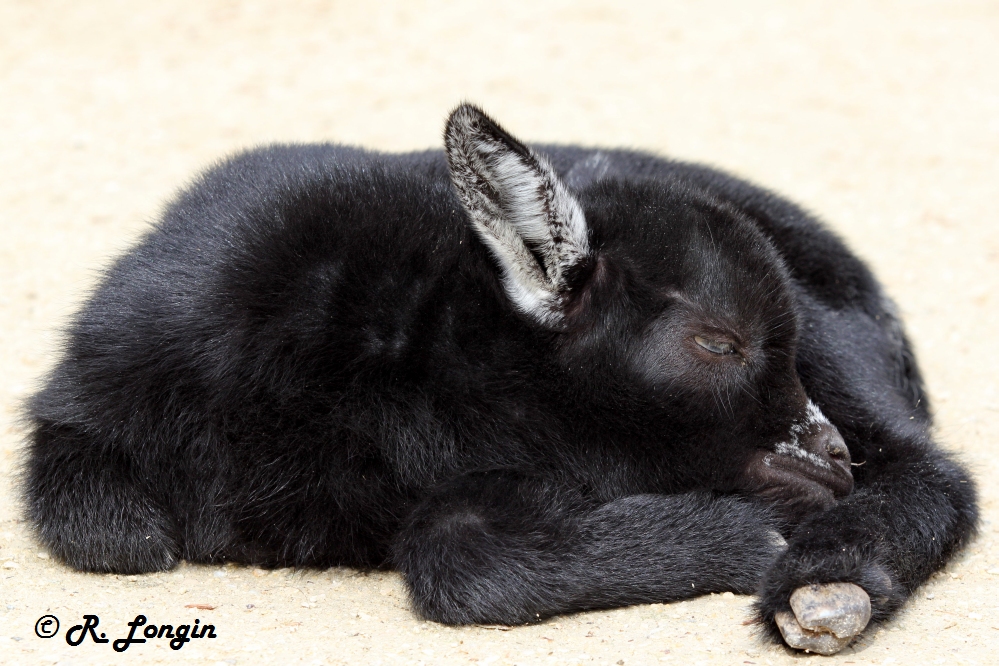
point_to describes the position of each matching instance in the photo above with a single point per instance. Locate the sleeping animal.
(534, 380)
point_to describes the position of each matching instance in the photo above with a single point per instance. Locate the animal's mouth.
(815, 475)
(792, 477)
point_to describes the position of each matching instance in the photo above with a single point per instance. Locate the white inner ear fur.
(517, 204)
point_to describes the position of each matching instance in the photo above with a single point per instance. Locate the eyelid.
(715, 346)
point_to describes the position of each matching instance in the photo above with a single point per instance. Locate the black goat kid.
(533, 380)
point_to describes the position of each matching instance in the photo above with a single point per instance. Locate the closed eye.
(715, 346)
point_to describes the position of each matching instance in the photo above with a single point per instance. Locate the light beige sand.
(882, 117)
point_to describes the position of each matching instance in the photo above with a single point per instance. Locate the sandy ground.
(882, 117)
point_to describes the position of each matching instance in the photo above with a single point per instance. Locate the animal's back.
(268, 351)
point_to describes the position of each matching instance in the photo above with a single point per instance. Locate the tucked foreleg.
(503, 548)
(913, 510)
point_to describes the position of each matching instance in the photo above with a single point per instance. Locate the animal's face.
(671, 309)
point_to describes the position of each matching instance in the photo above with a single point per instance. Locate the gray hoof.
(826, 617)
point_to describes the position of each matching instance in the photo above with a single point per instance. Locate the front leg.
(501, 547)
(913, 509)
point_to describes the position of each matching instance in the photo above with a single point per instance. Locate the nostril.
(836, 448)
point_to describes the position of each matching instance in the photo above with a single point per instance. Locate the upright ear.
(522, 211)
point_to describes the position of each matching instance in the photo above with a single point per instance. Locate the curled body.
(534, 379)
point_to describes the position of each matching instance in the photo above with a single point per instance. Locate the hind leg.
(89, 509)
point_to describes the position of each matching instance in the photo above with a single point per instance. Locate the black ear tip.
(468, 121)
(465, 117)
(467, 108)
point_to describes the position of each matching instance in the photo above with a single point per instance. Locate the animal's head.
(670, 309)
